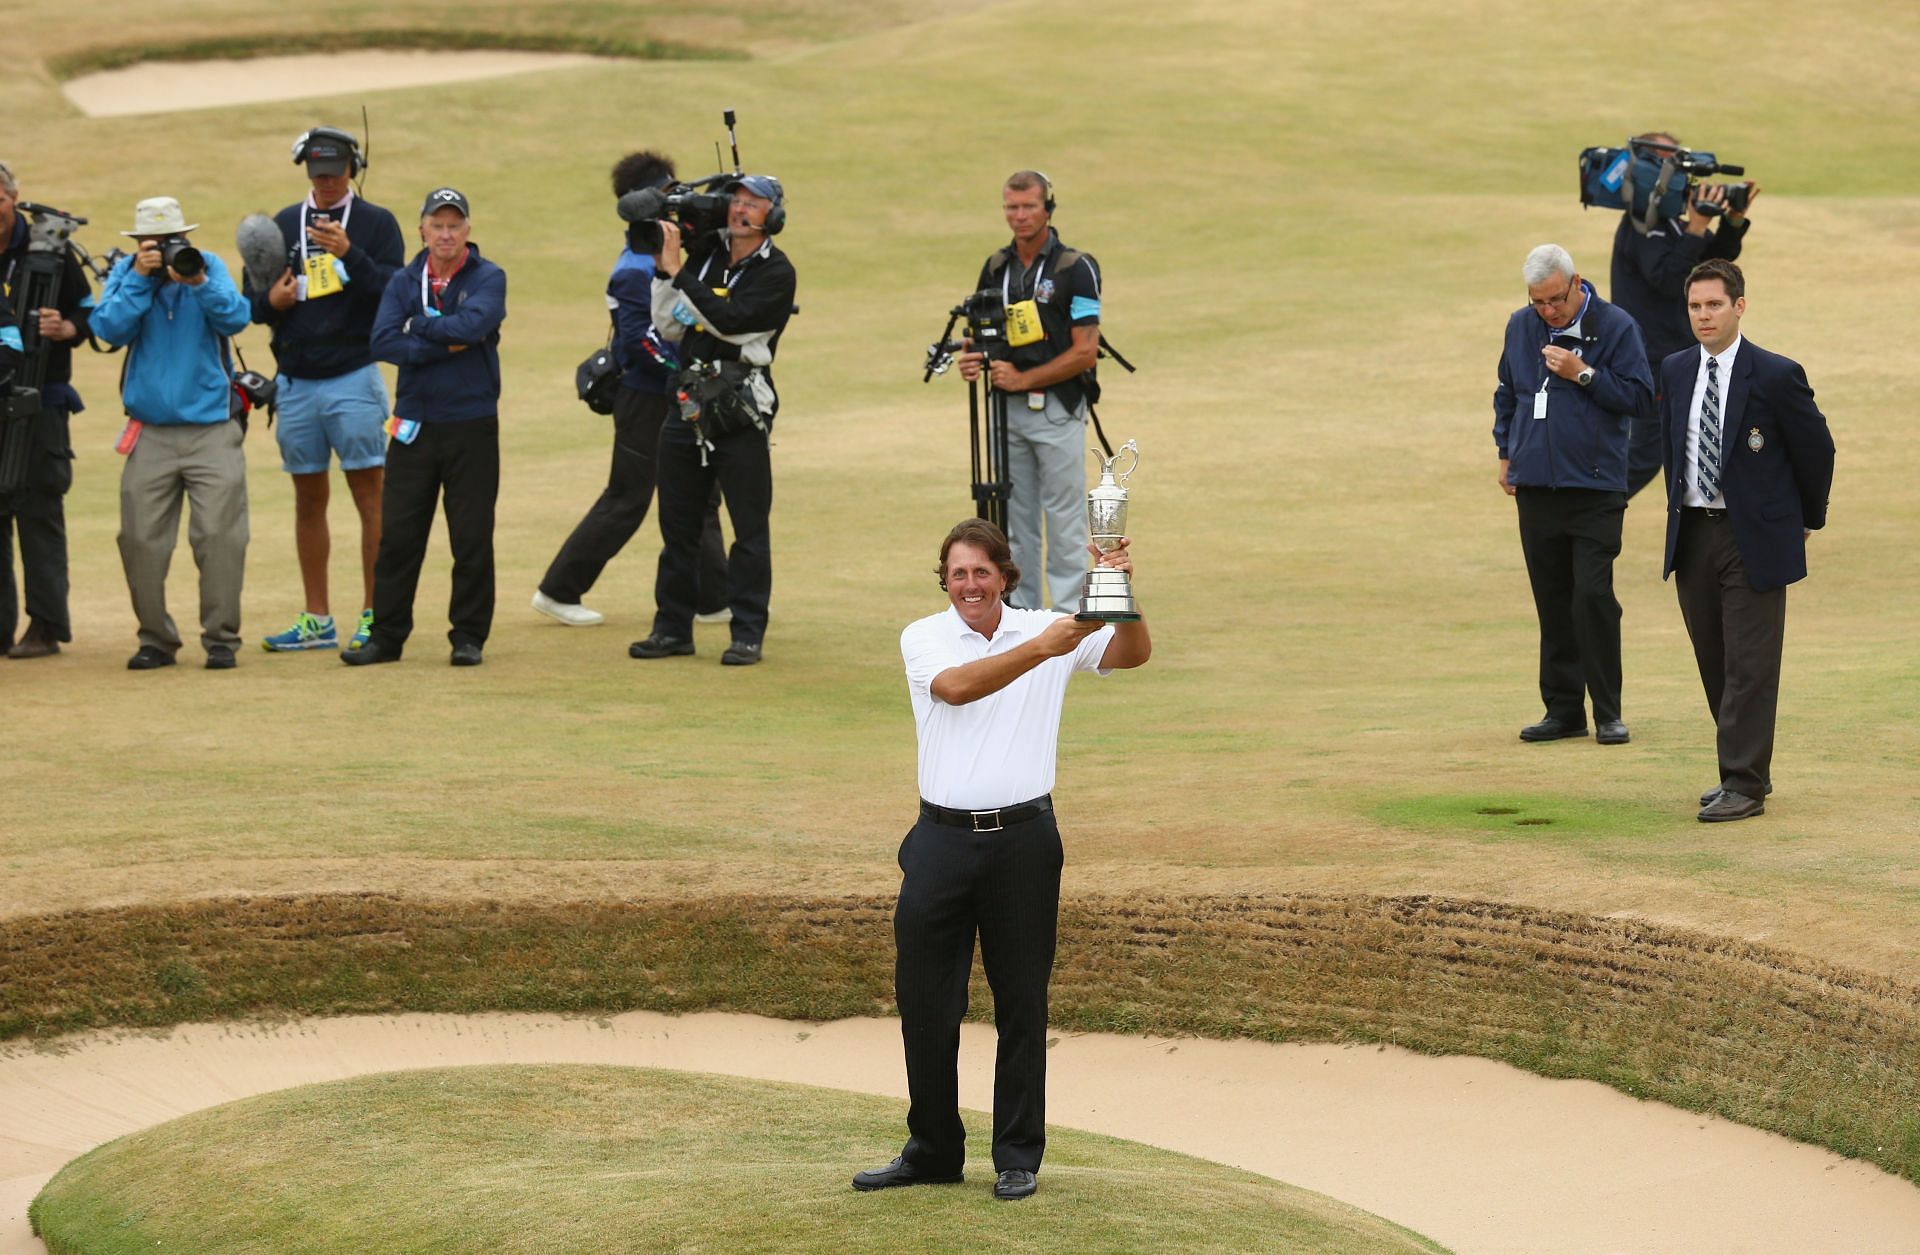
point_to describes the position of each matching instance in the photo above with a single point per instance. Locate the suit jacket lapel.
(1736, 409)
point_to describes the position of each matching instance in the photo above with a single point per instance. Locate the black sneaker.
(466, 654)
(741, 654)
(660, 646)
(150, 658)
(220, 658)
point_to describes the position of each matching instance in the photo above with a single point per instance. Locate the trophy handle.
(1106, 463)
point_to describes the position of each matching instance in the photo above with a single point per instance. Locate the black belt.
(987, 821)
(1704, 512)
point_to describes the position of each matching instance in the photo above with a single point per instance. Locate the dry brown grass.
(1756, 1034)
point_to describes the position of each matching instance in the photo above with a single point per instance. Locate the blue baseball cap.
(764, 185)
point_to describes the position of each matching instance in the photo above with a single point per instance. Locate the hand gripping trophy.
(1107, 594)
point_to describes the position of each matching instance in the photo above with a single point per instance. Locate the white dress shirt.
(1723, 377)
(999, 750)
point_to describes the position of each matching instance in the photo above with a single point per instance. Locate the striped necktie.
(1709, 453)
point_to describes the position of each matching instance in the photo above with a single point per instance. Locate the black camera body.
(1653, 182)
(181, 257)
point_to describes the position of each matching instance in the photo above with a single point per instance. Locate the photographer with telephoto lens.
(1651, 261)
(173, 308)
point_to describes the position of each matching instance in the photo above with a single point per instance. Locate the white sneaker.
(571, 615)
(723, 615)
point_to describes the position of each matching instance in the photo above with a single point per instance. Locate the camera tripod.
(988, 439)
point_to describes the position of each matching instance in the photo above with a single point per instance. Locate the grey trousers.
(1047, 474)
(205, 464)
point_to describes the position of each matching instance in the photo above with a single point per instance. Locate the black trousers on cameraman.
(740, 464)
(37, 512)
(622, 507)
(1004, 886)
(1571, 537)
(460, 462)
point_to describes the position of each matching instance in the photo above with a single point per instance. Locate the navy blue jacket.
(648, 363)
(326, 338)
(1582, 443)
(438, 384)
(1776, 460)
(1649, 278)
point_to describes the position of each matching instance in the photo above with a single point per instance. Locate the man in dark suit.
(1748, 466)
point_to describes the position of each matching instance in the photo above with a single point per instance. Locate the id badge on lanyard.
(321, 274)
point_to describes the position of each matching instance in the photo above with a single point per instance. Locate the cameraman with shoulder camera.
(1046, 388)
(337, 253)
(173, 307)
(1649, 280)
(36, 505)
(641, 403)
(727, 302)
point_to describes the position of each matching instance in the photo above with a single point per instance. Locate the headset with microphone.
(304, 145)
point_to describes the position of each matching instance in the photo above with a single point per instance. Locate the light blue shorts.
(318, 417)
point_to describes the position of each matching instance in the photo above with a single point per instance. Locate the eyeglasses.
(1555, 302)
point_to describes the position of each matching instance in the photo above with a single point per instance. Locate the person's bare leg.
(311, 539)
(365, 486)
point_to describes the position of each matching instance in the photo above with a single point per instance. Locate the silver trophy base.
(1106, 596)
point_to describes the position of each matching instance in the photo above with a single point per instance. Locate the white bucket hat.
(159, 215)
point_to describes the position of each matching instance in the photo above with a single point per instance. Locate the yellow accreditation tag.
(323, 279)
(1023, 324)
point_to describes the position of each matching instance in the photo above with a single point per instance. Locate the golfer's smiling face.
(974, 586)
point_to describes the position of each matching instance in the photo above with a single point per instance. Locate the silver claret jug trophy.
(1107, 595)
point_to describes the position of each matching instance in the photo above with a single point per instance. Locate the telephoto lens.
(181, 257)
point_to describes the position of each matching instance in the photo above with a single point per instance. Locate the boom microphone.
(643, 204)
(263, 250)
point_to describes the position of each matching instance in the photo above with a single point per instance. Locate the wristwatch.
(1584, 378)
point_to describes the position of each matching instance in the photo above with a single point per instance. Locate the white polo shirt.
(999, 750)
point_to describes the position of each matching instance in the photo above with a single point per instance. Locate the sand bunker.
(1477, 1155)
(166, 86)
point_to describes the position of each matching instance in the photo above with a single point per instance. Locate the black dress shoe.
(35, 642)
(1551, 729)
(659, 646)
(1610, 732)
(220, 658)
(465, 654)
(1706, 799)
(741, 654)
(368, 654)
(1013, 1184)
(150, 658)
(900, 1172)
(1731, 805)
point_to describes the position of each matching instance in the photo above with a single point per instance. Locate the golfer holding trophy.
(987, 680)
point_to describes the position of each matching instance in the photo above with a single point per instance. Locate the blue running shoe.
(309, 631)
(362, 633)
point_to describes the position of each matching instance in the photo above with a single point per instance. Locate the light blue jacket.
(175, 371)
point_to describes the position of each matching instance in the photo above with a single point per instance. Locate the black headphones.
(305, 142)
(1049, 182)
(777, 212)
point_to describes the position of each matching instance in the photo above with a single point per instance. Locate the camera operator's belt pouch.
(1023, 324)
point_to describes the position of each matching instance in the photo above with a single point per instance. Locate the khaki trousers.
(204, 463)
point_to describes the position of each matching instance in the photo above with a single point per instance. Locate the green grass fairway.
(513, 1159)
(1311, 220)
